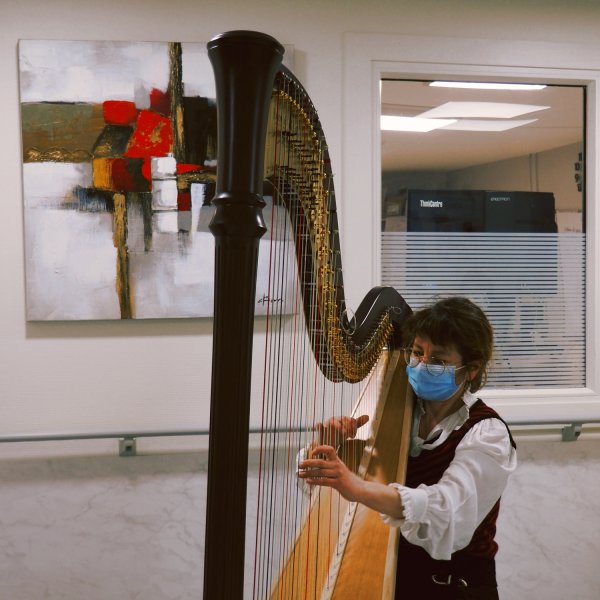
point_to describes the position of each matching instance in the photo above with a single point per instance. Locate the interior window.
(483, 195)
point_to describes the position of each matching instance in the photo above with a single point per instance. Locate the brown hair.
(457, 322)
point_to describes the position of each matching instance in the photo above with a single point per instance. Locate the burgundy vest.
(430, 465)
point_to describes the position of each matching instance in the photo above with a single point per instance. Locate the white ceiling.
(446, 150)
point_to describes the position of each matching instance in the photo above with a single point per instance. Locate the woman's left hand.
(325, 468)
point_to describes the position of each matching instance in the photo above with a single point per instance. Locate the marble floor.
(110, 528)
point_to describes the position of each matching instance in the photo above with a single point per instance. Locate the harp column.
(245, 64)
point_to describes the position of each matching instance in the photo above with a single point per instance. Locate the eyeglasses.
(434, 366)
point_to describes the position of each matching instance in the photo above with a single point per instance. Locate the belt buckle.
(448, 582)
(459, 582)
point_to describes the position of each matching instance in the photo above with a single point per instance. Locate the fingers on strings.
(337, 429)
(321, 466)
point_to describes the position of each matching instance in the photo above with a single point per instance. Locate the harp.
(309, 544)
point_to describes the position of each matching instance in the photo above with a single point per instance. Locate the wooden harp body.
(318, 361)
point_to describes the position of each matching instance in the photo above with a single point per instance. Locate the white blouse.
(442, 518)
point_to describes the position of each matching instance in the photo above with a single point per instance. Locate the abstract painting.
(119, 168)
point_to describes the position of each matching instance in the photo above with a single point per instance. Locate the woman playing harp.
(460, 458)
(318, 360)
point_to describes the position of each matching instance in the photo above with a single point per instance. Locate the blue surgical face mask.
(435, 388)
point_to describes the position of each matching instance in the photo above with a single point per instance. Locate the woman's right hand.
(337, 430)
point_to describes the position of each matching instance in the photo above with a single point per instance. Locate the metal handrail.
(98, 435)
(132, 434)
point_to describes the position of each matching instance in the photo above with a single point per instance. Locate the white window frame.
(369, 57)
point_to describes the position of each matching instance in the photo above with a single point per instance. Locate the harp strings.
(285, 378)
(301, 383)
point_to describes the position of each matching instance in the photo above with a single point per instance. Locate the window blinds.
(531, 286)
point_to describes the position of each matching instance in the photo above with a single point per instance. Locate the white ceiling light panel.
(417, 124)
(481, 85)
(487, 124)
(480, 110)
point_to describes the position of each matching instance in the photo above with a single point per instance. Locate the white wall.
(145, 375)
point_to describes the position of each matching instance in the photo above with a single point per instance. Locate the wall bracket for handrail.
(571, 433)
(127, 446)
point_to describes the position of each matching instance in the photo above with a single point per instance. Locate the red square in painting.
(153, 136)
(187, 168)
(122, 177)
(160, 102)
(184, 201)
(119, 112)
